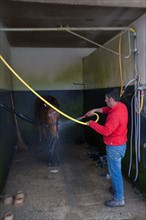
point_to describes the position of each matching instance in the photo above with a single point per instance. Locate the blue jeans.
(114, 157)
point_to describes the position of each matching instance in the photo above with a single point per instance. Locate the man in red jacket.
(115, 137)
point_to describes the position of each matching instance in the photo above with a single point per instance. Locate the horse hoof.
(56, 164)
(53, 164)
(50, 164)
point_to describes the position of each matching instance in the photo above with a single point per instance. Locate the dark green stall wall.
(71, 103)
(7, 137)
(95, 98)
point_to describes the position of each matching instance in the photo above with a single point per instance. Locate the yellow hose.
(132, 30)
(33, 91)
(96, 116)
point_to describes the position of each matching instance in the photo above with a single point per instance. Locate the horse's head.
(47, 116)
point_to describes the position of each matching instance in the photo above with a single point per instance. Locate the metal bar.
(112, 51)
(66, 28)
(71, 29)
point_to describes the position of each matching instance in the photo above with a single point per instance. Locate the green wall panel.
(7, 137)
(71, 103)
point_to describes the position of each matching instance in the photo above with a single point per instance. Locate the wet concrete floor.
(76, 192)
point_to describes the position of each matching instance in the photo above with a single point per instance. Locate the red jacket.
(115, 129)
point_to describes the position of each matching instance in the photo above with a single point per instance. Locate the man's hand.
(88, 122)
(90, 113)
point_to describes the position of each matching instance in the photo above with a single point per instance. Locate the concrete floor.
(76, 192)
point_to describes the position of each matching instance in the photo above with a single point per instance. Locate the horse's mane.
(52, 100)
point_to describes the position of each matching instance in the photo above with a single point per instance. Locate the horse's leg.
(53, 153)
(50, 158)
(41, 140)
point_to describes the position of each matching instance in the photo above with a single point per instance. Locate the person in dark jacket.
(114, 133)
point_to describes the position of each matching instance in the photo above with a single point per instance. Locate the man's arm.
(91, 112)
(110, 126)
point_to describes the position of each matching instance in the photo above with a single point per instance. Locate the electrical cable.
(131, 137)
(136, 112)
(22, 116)
(120, 66)
(136, 136)
(137, 103)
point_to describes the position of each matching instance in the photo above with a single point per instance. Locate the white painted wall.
(101, 68)
(49, 68)
(140, 27)
(5, 75)
(61, 68)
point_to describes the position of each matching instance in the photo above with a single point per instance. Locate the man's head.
(112, 98)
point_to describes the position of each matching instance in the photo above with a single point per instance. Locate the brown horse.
(47, 119)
